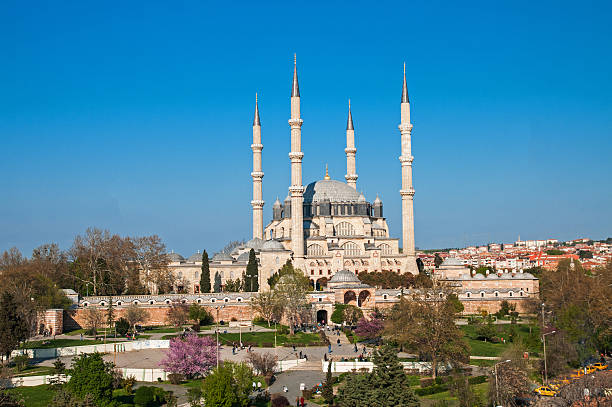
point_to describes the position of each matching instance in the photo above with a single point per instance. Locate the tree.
(91, 376)
(460, 388)
(511, 379)
(229, 385)
(200, 315)
(267, 305)
(438, 260)
(386, 386)
(291, 291)
(328, 387)
(122, 326)
(422, 280)
(110, 314)
(93, 318)
(387, 279)
(263, 363)
(352, 314)
(251, 282)
(337, 316)
(425, 324)
(178, 314)
(14, 328)
(205, 276)
(370, 329)
(151, 261)
(217, 286)
(192, 356)
(135, 315)
(233, 286)
(286, 269)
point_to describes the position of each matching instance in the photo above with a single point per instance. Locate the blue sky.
(137, 118)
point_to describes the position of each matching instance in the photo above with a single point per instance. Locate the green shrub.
(128, 384)
(144, 396)
(426, 382)
(21, 362)
(176, 378)
(436, 388)
(477, 379)
(195, 327)
(122, 326)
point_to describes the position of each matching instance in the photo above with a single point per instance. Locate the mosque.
(323, 228)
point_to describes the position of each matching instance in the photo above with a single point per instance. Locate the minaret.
(257, 203)
(350, 150)
(296, 190)
(407, 191)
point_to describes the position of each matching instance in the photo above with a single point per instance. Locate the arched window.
(510, 293)
(314, 250)
(351, 249)
(282, 232)
(151, 302)
(344, 229)
(482, 294)
(496, 293)
(385, 249)
(468, 294)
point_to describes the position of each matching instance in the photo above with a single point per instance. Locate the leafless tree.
(264, 363)
(149, 255)
(135, 315)
(267, 305)
(93, 318)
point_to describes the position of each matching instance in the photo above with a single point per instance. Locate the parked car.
(545, 391)
(600, 366)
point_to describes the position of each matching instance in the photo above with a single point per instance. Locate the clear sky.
(137, 117)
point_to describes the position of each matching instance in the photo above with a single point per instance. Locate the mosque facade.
(323, 228)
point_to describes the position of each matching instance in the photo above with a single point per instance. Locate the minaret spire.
(296, 190)
(407, 191)
(350, 150)
(257, 203)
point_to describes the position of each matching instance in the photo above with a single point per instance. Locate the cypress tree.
(328, 387)
(217, 286)
(390, 385)
(252, 273)
(205, 277)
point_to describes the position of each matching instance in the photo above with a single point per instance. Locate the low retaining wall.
(356, 366)
(101, 348)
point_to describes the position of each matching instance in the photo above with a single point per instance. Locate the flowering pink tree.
(369, 329)
(190, 356)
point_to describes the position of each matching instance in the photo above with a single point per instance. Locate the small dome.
(272, 245)
(277, 203)
(254, 243)
(492, 275)
(195, 257)
(175, 257)
(377, 200)
(528, 276)
(344, 276)
(222, 257)
(243, 257)
(361, 198)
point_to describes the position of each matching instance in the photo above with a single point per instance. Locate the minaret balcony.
(256, 147)
(407, 192)
(296, 156)
(350, 150)
(406, 159)
(296, 123)
(257, 174)
(405, 127)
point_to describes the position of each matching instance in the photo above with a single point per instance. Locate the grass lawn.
(482, 348)
(34, 371)
(162, 329)
(483, 362)
(59, 343)
(36, 396)
(432, 399)
(259, 338)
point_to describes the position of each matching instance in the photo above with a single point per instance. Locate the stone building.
(324, 227)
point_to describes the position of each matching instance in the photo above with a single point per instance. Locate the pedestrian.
(258, 386)
(81, 336)
(254, 386)
(297, 401)
(325, 357)
(306, 357)
(285, 389)
(338, 342)
(300, 354)
(329, 348)
(302, 401)
(293, 348)
(356, 350)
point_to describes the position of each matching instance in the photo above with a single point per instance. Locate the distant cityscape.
(525, 254)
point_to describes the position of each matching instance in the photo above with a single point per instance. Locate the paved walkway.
(293, 379)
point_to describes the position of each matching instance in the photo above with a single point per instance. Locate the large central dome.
(334, 191)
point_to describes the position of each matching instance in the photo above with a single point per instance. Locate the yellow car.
(555, 385)
(578, 373)
(590, 369)
(600, 366)
(545, 391)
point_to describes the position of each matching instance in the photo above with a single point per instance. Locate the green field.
(482, 348)
(261, 338)
(59, 343)
(34, 371)
(36, 396)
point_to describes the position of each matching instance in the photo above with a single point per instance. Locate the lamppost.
(496, 390)
(87, 286)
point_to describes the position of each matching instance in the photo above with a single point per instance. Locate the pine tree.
(328, 387)
(390, 386)
(252, 273)
(13, 325)
(205, 277)
(110, 314)
(217, 286)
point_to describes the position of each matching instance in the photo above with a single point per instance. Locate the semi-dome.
(254, 243)
(195, 257)
(243, 257)
(175, 257)
(272, 244)
(221, 256)
(332, 190)
(344, 276)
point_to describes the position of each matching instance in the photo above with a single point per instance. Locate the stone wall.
(51, 320)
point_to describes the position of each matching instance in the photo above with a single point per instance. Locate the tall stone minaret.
(407, 191)
(296, 190)
(257, 203)
(350, 150)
